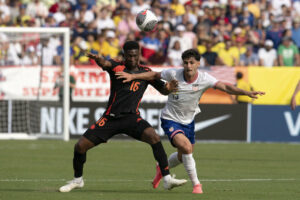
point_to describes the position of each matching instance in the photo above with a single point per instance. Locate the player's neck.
(131, 68)
(190, 78)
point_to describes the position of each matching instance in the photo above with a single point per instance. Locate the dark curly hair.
(191, 53)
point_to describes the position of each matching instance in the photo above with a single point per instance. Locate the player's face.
(190, 66)
(132, 58)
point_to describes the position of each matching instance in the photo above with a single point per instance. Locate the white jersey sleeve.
(209, 80)
(168, 74)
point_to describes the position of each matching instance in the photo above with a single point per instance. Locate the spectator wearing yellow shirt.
(110, 47)
(177, 7)
(229, 55)
(242, 84)
(254, 8)
(97, 45)
(79, 47)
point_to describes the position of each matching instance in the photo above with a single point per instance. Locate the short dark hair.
(130, 45)
(191, 53)
(239, 75)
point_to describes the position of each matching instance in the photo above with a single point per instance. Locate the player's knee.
(186, 148)
(150, 136)
(80, 148)
(155, 138)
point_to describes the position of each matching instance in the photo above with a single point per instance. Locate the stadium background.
(230, 35)
(123, 169)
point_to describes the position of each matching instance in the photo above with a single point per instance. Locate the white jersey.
(182, 106)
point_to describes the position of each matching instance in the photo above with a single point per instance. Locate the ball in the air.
(146, 20)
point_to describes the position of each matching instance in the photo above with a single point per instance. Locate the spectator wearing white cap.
(185, 42)
(267, 55)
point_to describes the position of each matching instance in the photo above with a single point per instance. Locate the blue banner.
(275, 124)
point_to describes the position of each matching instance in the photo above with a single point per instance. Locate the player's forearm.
(230, 89)
(102, 62)
(148, 76)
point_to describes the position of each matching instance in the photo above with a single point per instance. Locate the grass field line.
(138, 180)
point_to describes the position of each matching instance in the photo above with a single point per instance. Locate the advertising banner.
(279, 84)
(275, 124)
(215, 122)
(92, 84)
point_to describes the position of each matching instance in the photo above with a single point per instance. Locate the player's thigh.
(182, 143)
(102, 130)
(140, 129)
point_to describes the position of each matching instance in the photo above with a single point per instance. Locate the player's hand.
(91, 55)
(254, 94)
(126, 76)
(172, 86)
(293, 103)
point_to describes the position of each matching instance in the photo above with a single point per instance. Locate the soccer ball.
(146, 20)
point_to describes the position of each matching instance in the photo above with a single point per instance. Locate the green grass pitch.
(34, 170)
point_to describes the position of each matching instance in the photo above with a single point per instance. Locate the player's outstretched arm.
(231, 89)
(148, 76)
(99, 60)
(293, 100)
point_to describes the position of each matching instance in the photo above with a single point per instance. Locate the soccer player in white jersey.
(178, 114)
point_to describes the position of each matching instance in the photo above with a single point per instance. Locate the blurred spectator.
(158, 58)
(210, 57)
(249, 58)
(190, 34)
(288, 53)
(84, 15)
(59, 84)
(110, 45)
(104, 21)
(37, 10)
(14, 53)
(126, 25)
(163, 40)
(296, 31)
(267, 55)
(79, 46)
(242, 84)
(229, 55)
(149, 45)
(47, 54)
(138, 6)
(252, 22)
(4, 13)
(174, 55)
(60, 5)
(275, 33)
(177, 7)
(185, 42)
(29, 57)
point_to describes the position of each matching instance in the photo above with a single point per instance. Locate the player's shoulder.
(144, 68)
(117, 65)
(203, 76)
